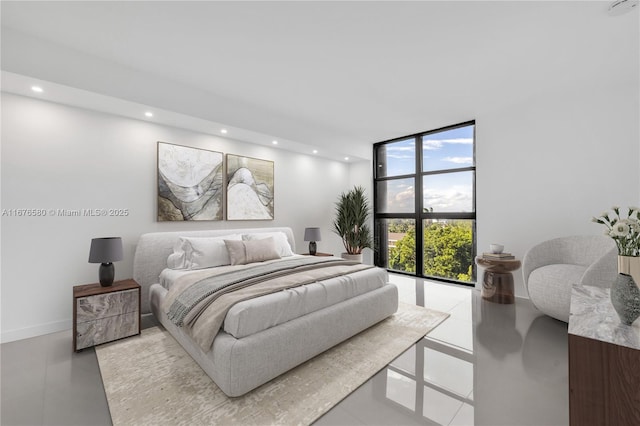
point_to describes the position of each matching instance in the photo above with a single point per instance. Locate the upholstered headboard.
(154, 248)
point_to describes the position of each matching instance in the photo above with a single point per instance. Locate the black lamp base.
(312, 248)
(106, 273)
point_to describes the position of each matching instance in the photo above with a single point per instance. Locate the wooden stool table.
(497, 285)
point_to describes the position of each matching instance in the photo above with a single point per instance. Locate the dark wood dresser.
(604, 362)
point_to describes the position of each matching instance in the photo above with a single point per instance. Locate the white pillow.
(177, 259)
(200, 252)
(243, 252)
(280, 239)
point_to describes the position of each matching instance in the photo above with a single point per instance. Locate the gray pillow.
(279, 239)
(243, 252)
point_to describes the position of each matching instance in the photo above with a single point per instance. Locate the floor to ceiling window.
(424, 203)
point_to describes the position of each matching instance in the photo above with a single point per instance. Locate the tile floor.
(487, 364)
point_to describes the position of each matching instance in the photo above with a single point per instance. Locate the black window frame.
(419, 215)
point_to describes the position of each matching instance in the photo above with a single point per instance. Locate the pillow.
(280, 239)
(177, 259)
(200, 252)
(243, 252)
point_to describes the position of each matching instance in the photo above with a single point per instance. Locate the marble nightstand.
(103, 314)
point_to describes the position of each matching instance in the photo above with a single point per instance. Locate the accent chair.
(551, 267)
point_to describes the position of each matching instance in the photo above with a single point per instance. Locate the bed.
(260, 337)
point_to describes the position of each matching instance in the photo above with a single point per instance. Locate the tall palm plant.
(352, 214)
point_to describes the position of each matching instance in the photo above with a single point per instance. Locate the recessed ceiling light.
(315, 151)
(223, 131)
(148, 114)
(346, 158)
(37, 89)
(274, 142)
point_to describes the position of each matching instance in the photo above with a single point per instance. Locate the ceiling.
(333, 76)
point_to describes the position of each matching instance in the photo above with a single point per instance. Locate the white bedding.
(168, 276)
(254, 315)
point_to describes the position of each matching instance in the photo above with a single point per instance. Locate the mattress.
(252, 316)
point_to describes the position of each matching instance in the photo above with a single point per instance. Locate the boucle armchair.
(550, 269)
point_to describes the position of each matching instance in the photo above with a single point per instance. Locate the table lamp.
(312, 235)
(105, 251)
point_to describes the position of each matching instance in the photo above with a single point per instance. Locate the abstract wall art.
(249, 188)
(190, 183)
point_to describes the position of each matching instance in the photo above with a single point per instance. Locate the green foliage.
(447, 249)
(352, 214)
(401, 226)
(402, 257)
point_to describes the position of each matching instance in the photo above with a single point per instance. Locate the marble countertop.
(592, 316)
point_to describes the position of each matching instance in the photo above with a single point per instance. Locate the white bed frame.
(239, 365)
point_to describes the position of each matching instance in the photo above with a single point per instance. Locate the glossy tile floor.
(487, 364)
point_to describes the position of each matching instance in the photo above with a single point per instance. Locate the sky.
(451, 192)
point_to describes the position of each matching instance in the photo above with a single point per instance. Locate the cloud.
(401, 157)
(401, 152)
(459, 160)
(407, 151)
(466, 141)
(455, 199)
(408, 147)
(407, 194)
(400, 198)
(433, 144)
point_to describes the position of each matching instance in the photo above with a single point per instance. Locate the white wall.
(58, 157)
(361, 174)
(547, 166)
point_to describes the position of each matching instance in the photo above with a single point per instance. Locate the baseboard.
(37, 330)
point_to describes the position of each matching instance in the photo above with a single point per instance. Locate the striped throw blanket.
(200, 302)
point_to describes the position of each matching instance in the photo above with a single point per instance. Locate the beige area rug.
(150, 380)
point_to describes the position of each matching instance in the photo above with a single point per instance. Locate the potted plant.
(626, 234)
(352, 213)
(625, 295)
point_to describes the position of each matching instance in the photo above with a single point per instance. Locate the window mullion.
(419, 209)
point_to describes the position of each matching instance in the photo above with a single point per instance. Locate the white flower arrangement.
(625, 232)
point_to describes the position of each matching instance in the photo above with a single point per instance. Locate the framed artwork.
(190, 183)
(249, 188)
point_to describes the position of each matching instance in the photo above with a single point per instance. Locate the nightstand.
(317, 254)
(103, 314)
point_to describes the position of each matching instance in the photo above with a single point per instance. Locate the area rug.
(150, 380)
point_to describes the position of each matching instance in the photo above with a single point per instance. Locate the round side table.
(497, 285)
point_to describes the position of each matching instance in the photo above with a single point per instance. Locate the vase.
(630, 265)
(625, 298)
(354, 257)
